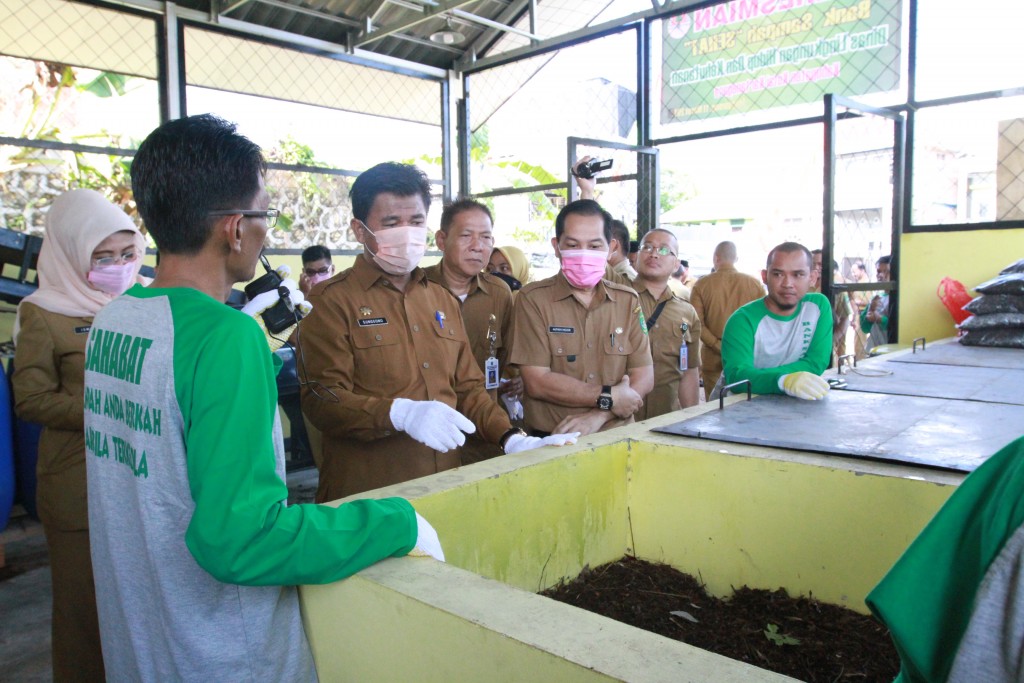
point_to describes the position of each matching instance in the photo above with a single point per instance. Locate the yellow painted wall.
(971, 257)
(766, 523)
(535, 525)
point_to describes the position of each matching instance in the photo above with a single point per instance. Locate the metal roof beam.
(441, 10)
(494, 24)
(343, 20)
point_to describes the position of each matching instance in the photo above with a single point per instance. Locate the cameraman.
(195, 550)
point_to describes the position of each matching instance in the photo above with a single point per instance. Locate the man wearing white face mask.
(580, 341)
(390, 377)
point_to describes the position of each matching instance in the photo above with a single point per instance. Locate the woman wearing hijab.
(92, 252)
(510, 262)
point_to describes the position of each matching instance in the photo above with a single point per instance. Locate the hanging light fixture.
(449, 36)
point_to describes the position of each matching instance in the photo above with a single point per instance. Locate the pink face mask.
(583, 268)
(114, 280)
(399, 249)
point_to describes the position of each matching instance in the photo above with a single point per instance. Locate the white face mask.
(399, 249)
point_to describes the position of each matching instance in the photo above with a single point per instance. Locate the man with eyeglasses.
(466, 239)
(197, 554)
(579, 340)
(316, 267)
(672, 327)
(390, 377)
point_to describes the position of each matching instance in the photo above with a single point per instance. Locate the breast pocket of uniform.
(666, 342)
(617, 348)
(377, 358)
(565, 349)
(449, 342)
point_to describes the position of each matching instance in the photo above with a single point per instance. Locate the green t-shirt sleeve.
(241, 530)
(927, 598)
(738, 353)
(738, 348)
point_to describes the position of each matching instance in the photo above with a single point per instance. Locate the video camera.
(587, 169)
(281, 315)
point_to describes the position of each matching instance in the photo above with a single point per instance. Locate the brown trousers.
(75, 627)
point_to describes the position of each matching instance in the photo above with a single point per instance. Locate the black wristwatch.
(604, 401)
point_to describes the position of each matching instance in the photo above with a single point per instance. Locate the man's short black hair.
(684, 263)
(620, 233)
(187, 168)
(457, 207)
(884, 260)
(583, 207)
(315, 253)
(788, 248)
(401, 180)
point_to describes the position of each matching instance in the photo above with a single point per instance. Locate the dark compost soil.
(798, 637)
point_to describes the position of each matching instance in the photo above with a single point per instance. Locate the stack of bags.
(998, 314)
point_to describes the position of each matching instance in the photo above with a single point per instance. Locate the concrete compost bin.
(731, 514)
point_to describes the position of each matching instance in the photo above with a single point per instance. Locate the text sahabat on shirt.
(116, 354)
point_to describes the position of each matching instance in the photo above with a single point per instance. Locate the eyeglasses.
(270, 214)
(313, 272)
(125, 257)
(660, 251)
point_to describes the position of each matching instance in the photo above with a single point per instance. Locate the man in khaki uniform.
(715, 297)
(672, 326)
(579, 340)
(466, 240)
(389, 375)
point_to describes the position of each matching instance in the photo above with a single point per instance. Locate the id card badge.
(491, 373)
(684, 357)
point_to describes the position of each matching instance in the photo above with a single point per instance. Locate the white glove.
(262, 302)
(513, 405)
(517, 443)
(432, 423)
(427, 542)
(805, 385)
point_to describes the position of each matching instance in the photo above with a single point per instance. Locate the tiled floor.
(25, 598)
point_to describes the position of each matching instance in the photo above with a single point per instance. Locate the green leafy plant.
(773, 634)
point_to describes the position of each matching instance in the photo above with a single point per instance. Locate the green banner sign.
(747, 55)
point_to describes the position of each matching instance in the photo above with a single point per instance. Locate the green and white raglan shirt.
(954, 602)
(761, 346)
(195, 552)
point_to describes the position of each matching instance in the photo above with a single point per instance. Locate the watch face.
(604, 402)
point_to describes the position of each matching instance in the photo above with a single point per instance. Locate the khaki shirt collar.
(436, 274)
(563, 290)
(367, 274)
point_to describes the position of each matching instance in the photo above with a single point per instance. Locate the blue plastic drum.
(6, 453)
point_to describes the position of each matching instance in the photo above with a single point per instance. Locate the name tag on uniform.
(684, 357)
(562, 330)
(370, 322)
(83, 330)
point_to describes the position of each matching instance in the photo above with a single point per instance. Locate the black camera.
(281, 315)
(587, 169)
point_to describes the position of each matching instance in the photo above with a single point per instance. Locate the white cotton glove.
(261, 302)
(432, 423)
(427, 542)
(514, 407)
(517, 443)
(805, 385)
